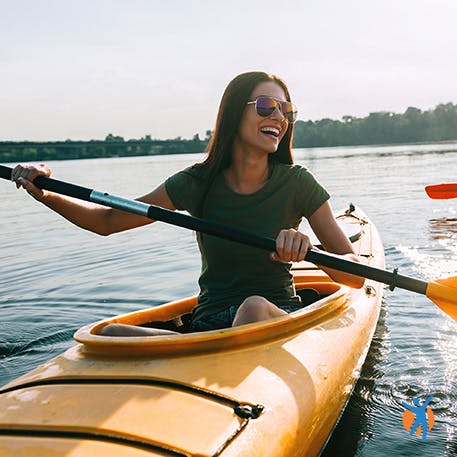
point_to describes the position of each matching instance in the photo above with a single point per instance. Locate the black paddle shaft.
(230, 233)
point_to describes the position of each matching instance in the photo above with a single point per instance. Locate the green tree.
(111, 137)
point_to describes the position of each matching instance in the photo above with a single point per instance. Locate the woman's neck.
(247, 173)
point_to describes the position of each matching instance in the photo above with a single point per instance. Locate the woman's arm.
(292, 245)
(334, 240)
(89, 216)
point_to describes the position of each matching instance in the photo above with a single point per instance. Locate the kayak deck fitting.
(270, 388)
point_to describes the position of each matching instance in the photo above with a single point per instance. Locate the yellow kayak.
(272, 388)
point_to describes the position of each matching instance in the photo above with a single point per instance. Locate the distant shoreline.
(438, 125)
(30, 149)
(11, 151)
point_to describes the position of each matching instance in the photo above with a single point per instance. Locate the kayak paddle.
(443, 292)
(442, 191)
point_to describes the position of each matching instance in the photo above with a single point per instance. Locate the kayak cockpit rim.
(335, 297)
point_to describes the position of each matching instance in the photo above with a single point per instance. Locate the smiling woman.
(248, 180)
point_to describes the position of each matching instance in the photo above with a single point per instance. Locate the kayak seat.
(179, 324)
(308, 296)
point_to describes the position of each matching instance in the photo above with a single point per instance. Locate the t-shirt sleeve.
(310, 194)
(184, 189)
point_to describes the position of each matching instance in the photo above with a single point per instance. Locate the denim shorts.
(224, 319)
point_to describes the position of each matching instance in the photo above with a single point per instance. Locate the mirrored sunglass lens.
(265, 106)
(289, 110)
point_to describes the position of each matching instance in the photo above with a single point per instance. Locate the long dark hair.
(231, 109)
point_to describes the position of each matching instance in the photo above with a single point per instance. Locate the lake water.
(54, 278)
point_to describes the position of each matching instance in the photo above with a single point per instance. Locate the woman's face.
(262, 133)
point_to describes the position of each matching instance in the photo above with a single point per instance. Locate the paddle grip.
(53, 185)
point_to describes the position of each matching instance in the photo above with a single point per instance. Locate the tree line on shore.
(412, 126)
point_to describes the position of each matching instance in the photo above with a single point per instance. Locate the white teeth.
(270, 130)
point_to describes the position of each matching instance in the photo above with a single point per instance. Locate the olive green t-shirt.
(232, 271)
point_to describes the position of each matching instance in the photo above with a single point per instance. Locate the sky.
(82, 69)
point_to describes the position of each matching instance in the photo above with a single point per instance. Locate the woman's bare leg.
(133, 330)
(256, 308)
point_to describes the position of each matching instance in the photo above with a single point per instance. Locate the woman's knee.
(113, 330)
(255, 302)
(253, 308)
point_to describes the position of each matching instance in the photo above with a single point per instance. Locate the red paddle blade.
(442, 191)
(443, 292)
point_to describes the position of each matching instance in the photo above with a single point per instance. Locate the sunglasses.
(265, 106)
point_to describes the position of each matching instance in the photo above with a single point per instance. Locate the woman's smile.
(271, 131)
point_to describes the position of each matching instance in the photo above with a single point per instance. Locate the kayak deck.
(271, 388)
